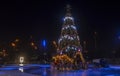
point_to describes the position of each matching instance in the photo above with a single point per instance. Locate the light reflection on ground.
(44, 70)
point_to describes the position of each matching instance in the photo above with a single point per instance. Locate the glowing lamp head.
(21, 59)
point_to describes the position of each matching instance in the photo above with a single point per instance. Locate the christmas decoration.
(69, 50)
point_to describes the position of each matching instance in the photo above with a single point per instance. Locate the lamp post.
(21, 60)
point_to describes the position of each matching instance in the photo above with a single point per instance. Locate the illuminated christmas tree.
(69, 42)
(69, 49)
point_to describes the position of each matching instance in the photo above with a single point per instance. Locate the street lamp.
(21, 59)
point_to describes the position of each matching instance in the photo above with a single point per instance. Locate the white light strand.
(66, 37)
(73, 48)
(69, 26)
(71, 18)
(73, 27)
(78, 37)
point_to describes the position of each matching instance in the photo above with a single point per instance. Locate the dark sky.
(43, 19)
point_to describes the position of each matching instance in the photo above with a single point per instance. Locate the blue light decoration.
(44, 43)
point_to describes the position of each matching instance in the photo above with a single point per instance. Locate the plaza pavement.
(15, 73)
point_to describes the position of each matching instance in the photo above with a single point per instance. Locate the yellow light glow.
(32, 44)
(17, 40)
(13, 44)
(54, 42)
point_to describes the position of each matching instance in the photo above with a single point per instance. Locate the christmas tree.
(69, 42)
(69, 49)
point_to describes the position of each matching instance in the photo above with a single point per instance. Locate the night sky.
(43, 20)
